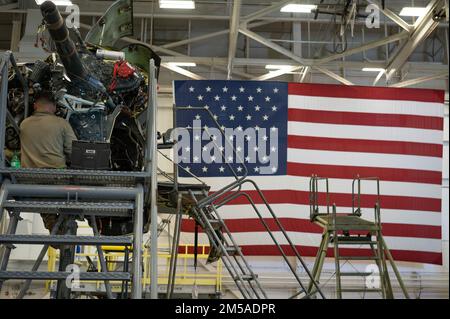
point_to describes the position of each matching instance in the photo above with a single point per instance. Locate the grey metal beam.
(234, 33)
(182, 71)
(392, 15)
(420, 80)
(260, 13)
(423, 27)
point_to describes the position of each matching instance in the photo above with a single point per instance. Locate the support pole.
(137, 243)
(152, 168)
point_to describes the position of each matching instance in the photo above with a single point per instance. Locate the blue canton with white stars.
(238, 105)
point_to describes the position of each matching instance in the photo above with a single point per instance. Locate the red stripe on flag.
(288, 196)
(365, 92)
(368, 146)
(369, 119)
(272, 250)
(350, 172)
(306, 226)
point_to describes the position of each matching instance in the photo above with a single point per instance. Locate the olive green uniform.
(46, 142)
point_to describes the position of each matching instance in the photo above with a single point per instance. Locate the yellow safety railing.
(185, 275)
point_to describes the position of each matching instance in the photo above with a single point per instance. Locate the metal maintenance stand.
(340, 229)
(78, 194)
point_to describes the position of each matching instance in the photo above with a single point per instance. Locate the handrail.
(357, 198)
(314, 196)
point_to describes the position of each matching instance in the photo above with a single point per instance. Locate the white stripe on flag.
(363, 132)
(364, 159)
(365, 105)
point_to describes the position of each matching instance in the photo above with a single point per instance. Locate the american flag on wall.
(332, 131)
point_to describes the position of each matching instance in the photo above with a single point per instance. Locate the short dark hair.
(44, 96)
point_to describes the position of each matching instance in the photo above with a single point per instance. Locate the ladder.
(346, 229)
(71, 201)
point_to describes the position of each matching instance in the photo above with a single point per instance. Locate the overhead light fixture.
(56, 2)
(176, 4)
(413, 11)
(298, 8)
(373, 69)
(183, 64)
(278, 67)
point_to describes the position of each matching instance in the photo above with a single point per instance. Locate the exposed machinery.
(99, 89)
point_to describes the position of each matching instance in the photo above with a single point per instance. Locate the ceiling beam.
(423, 27)
(391, 15)
(234, 33)
(260, 13)
(420, 80)
(182, 71)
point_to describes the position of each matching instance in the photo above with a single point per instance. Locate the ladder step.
(358, 258)
(360, 290)
(246, 277)
(354, 240)
(355, 274)
(45, 275)
(232, 250)
(119, 208)
(216, 224)
(66, 240)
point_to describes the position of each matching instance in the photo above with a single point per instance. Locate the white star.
(230, 159)
(200, 97)
(205, 127)
(221, 148)
(256, 148)
(213, 158)
(256, 128)
(214, 138)
(197, 138)
(250, 98)
(256, 169)
(273, 149)
(259, 90)
(197, 117)
(264, 159)
(267, 98)
(205, 149)
(215, 117)
(238, 149)
(222, 128)
(196, 159)
(241, 89)
(223, 107)
(217, 98)
(187, 149)
(248, 138)
(206, 106)
(273, 128)
(231, 137)
(204, 169)
(231, 117)
(225, 89)
(248, 117)
(247, 158)
(275, 90)
(274, 108)
(274, 169)
(191, 89)
(234, 98)
(221, 169)
(187, 168)
(265, 117)
(239, 128)
(240, 108)
(257, 108)
(265, 138)
(189, 106)
(239, 169)
(208, 89)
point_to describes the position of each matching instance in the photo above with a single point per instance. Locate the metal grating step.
(120, 208)
(354, 240)
(66, 240)
(360, 290)
(216, 224)
(75, 177)
(358, 258)
(355, 274)
(45, 275)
